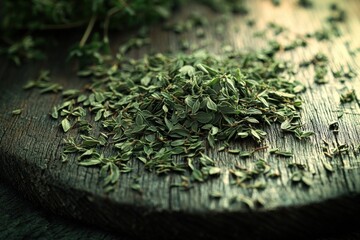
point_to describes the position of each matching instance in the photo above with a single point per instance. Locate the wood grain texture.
(30, 147)
(21, 220)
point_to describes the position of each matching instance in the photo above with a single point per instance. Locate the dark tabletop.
(20, 219)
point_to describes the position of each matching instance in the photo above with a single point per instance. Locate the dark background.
(20, 219)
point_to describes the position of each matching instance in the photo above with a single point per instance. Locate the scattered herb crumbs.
(234, 151)
(193, 21)
(301, 174)
(65, 124)
(348, 96)
(334, 126)
(305, 3)
(262, 166)
(299, 166)
(276, 28)
(337, 14)
(215, 194)
(249, 202)
(336, 151)
(352, 51)
(245, 154)
(135, 186)
(251, 22)
(43, 83)
(320, 62)
(296, 43)
(276, 2)
(303, 134)
(273, 174)
(307, 179)
(251, 178)
(259, 184)
(17, 111)
(332, 29)
(64, 157)
(185, 183)
(277, 151)
(343, 75)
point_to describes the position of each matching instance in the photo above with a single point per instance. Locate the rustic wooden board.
(30, 147)
(20, 219)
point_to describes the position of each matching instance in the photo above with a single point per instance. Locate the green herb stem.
(88, 31)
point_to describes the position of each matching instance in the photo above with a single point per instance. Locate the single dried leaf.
(66, 125)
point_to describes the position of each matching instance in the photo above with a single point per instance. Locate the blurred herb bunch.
(22, 22)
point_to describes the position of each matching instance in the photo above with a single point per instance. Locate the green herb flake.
(305, 3)
(65, 124)
(215, 194)
(307, 180)
(214, 170)
(165, 110)
(281, 153)
(348, 96)
(234, 151)
(17, 111)
(328, 167)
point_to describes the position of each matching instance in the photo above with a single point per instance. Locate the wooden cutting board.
(31, 144)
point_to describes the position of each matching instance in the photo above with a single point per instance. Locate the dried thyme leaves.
(301, 174)
(43, 83)
(332, 29)
(321, 66)
(348, 96)
(16, 111)
(165, 110)
(26, 48)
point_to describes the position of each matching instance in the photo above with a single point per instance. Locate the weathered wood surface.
(22, 220)
(30, 147)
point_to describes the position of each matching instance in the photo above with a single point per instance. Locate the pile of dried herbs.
(166, 110)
